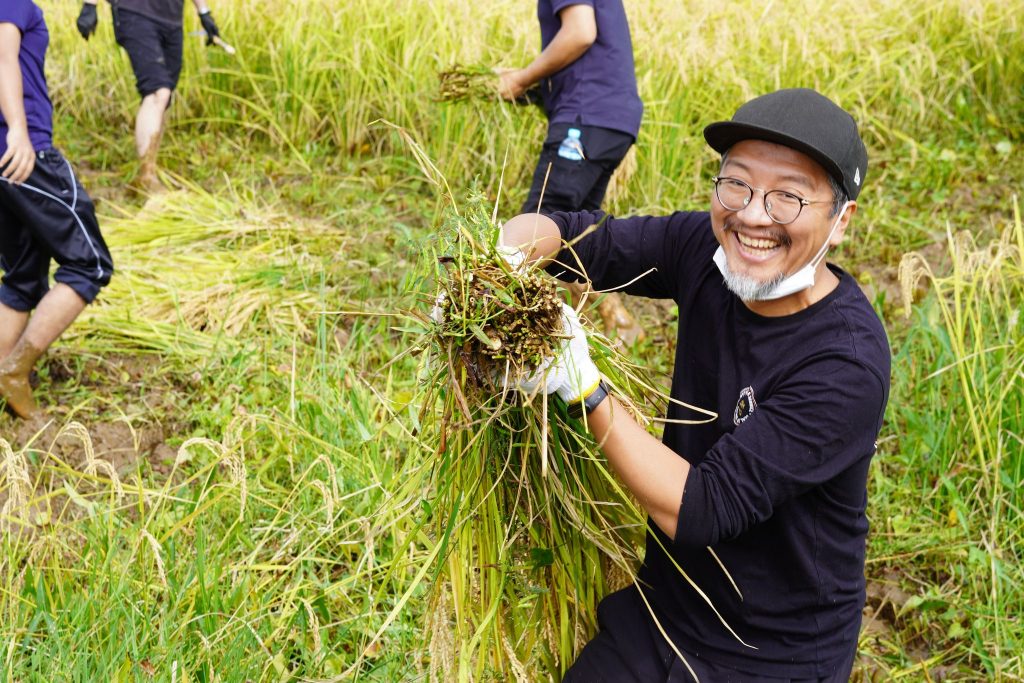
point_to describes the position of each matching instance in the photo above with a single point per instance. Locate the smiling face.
(761, 252)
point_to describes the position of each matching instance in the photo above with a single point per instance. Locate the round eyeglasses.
(781, 206)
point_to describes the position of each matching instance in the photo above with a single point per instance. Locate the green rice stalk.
(527, 511)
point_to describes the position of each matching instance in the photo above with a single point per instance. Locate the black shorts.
(576, 185)
(628, 647)
(153, 48)
(49, 216)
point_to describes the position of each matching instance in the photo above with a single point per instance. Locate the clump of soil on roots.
(499, 322)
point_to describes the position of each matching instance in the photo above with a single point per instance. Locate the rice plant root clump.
(500, 321)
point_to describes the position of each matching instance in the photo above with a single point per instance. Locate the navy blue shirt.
(31, 58)
(778, 484)
(599, 88)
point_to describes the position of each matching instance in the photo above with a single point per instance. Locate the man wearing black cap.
(762, 507)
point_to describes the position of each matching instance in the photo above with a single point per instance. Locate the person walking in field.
(44, 213)
(764, 507)
(151, 32)
(588, 85)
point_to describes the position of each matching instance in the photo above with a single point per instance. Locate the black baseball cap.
(808, 122)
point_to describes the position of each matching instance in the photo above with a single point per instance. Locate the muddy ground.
(119, 409)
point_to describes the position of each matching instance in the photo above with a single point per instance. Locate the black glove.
(87, 20)
(209, 25)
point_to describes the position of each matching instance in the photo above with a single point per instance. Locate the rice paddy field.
(247, 470)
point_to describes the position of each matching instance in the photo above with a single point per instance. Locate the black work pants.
(628, 648)
(49, 216)
(573, 185)
(153, 48)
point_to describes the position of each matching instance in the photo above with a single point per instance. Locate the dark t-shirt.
(778, 487)
(31, 58)
(167, 12)
(599, 88)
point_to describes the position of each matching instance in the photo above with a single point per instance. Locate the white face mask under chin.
(798, 281)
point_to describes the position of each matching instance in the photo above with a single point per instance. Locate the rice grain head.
(332, 474)
(19, 483)
(518, 670)
(328, 504)
(236, 471)
(93, 465)
(616, 577)
(158, 559)
(314, 626)
(913, 268)
(185, 449)
(442, 643)
(618, 185)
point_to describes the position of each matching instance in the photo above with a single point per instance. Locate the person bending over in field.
(588, 85)
(150, 31)
(44, 212)
(788, 352)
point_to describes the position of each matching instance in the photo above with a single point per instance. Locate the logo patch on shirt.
(745, 406)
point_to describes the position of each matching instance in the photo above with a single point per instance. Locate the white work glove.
(513, 256)
(437, 310)
(570, 373)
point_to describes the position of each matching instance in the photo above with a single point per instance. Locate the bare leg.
(12, 324)
(149, 128)
(613, 313)
(55, 313)
(616, 317)
(577, 290)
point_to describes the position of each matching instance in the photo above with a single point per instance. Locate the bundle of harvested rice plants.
(459, 82)
(533, 527)
(196, 271)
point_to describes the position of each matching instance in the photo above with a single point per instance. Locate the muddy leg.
(148, 177)
(12, 324)
(149, 129)
(616, 317)
(613, 313)
(55, 313)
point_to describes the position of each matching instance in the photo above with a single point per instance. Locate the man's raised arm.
(20, 158)
(536, 235)
(653, 472)
(577, 33)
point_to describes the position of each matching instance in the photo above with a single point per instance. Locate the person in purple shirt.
(763, 504)
(150, 31)
(587, 83)
(44, 213)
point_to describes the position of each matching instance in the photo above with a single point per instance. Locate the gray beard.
(747, 288)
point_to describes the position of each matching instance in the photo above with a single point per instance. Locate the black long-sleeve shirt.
(777, 487)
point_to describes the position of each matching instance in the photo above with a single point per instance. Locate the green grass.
(947, 492)
(267, 304)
